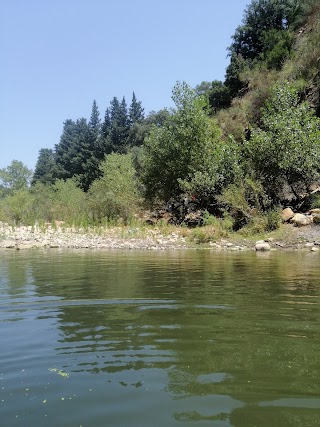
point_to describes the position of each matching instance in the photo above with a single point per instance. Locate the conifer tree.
(119, 126)
(65, 151)
(136, 112)
(46, 168)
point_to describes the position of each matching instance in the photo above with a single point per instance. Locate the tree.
(136, 112)
(287, 147)
(180, 148)
(119, 126)
(219, 96)
(260, 17)
(46, 169)
(95, 124)
(115, 194)
(14, 177)
(262, 36)
(91, 149)
(67, 150)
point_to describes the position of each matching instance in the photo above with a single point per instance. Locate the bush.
(243, 201)
(287, 147)
(16, 208)
(273, 220)
(115, 194)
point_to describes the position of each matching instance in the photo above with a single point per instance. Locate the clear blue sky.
(60, 55)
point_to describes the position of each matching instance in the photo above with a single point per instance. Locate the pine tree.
(66, 150)
(136, 112)
(95, 122)
(119, 126)
(46, 168)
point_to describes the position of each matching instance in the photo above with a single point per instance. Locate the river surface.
(173, 338)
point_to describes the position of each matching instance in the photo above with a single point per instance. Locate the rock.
(262, 245)
(24, 245)
(301, 219)
(269, 239)
(314, 249)
(8, 244)
(314, 211)
(316, 218)
(287, 214)
(308, 245)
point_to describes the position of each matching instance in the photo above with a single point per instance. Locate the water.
(174, 338)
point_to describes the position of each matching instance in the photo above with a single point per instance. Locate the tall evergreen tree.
(106, 125)
(119, 126)
(66, 150)
(95, 122)
(136, 112)
(46, 168)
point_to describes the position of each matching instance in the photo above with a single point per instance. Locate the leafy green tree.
(14, 177)
(263, 35)
(16, 207)
(287, 148)
(261, 16)
(219, 96)
(233, 80)
(276, 47)
(115, 194)
(203, 88)
(178, 149)
(46, 168)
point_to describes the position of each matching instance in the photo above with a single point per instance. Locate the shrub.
(115, 194)
(16, 208)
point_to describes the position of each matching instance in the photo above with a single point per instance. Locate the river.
(159, 338)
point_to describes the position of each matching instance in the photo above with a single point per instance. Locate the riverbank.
(288, 237)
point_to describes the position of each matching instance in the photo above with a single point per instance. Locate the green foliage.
(225, 223)
(14, 177)
(276, 47)
(260, 17)
(219, 96)
(273, 220)
(136, 112)
(115, 194)
(174, 152)
(46, 168)
(16, 208)
(243, 200)
(263, 36)
(315, 202)
(69, 202)
(217, 170)
(287, 149)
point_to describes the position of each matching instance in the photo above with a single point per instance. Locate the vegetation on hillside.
(234, 151)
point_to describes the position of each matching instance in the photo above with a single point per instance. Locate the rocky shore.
(28, 237)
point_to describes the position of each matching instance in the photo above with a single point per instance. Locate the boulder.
(287, 214)
(315, 211)
(262, 245)
(301, 219)
(316, 218)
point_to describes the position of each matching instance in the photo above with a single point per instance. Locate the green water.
(192, 338)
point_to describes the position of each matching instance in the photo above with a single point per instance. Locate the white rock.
(262, 245)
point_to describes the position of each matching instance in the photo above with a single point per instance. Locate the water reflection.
(218, 339)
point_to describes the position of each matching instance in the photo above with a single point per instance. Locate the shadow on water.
(205, 338)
